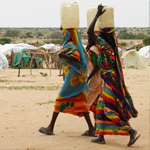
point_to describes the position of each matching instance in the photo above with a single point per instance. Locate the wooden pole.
(37, 63)
(11, 59)
(20, 63)
(47, 63)
(31, 64)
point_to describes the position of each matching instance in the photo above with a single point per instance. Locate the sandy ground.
(27, 103)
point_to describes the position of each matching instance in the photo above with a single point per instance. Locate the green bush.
(125, 35)
(123, 44)
(56, 35)
(5, 41)
(57, 41)
(29, 35)
(12, 33)
(39, 34)
(146, 41)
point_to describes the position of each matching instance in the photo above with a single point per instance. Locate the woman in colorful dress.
(72, 97)
(115, 106)
(95, 82)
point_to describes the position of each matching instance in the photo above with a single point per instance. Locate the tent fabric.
(145, 51)
(1, 45)
(25, 58)
(54, 48)
(132, 59)
(3, 61)
(146, 60)
(8, 48)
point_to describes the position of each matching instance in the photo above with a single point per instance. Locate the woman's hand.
(90, 30)
(100, 10)
(62, 55)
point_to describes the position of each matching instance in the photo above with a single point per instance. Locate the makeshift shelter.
(22, 54)
(52, 51)
(145, 52)
(52, 47)
(132, 59)
(3, 61)
(8, 48)
(23, 58)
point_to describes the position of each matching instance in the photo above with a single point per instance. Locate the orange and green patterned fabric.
(72, 97)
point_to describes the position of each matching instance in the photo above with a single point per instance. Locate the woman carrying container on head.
(72, 97)
(115, 106)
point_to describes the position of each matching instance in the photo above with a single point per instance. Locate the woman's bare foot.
(46, 131)
(89, 133)
(133, 137)
(99, 140)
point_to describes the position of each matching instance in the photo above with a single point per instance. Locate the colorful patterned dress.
(115, 106)
(72, 97)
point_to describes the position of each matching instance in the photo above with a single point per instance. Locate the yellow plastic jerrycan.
(105, 20)
(69, 15)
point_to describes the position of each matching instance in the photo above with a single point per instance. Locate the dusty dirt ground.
(27, 104)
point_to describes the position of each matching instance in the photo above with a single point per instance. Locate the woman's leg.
(88, 120)
(50, 128)
(95, 126)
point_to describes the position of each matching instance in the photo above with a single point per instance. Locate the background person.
(95, 82)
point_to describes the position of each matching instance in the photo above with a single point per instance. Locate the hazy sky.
(46, 13)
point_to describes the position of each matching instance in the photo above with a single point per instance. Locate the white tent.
(145, 51)
(3, 61)
(8, 48)
(1, 45)
(132, 59)
(54, 48)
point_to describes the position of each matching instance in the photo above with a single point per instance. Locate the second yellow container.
(104, 21)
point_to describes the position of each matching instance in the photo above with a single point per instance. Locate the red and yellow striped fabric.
(73, 105)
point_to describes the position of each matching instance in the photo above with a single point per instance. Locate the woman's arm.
(68, 57)
(90, 31)
(95, 69)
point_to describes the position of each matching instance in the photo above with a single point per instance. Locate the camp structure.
(52, 51)
(53, 59)
(3, 61)
(26, 55)
(132, 59)
(23, 58)
(145, 53)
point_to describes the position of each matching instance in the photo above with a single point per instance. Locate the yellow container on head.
(103, 21)
(69, 15)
